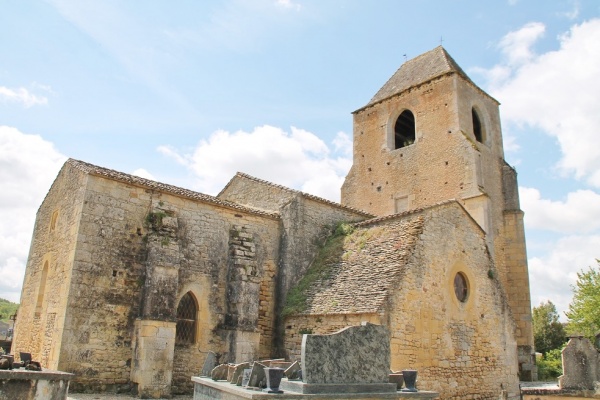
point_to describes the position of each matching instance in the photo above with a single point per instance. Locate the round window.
(461, 288)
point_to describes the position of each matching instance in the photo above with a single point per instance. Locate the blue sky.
(190, 92)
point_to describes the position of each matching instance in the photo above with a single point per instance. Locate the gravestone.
(237, 373)
(219, 372)
(257, 375)
(209, 364)
(246, 377)
(357, 354)
(581, 364)
(353, 360)
(293, 371)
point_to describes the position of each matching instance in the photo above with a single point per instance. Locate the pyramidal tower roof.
(418, 70)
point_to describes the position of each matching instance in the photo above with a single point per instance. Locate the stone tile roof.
(294, 191)
(371, 263)
(421, 69)
(163, 187)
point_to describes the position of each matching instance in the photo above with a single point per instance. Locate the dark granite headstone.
(357, 354)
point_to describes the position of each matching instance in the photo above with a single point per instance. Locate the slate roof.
(421, 69)
(163, 187)
(374, 257)
(293, 191)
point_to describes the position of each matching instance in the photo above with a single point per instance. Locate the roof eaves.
(163, 187)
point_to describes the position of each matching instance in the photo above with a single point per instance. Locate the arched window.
(42, 290)
(187, 310)
(477, 128)
(404, 130)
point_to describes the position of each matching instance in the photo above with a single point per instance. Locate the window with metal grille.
(185, 332)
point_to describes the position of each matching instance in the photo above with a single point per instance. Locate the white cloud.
(288, 4)
(574, 12)
(516, 45)
(21, 95)
(343, 144)
(556, 92)
(28, 165)
(551, 276)
(142, 173)
(579, 213)
(297, 159)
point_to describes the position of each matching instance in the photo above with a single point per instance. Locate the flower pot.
(274, 376)
(410, 380)
(398, 379)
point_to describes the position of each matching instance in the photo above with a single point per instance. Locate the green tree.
(550, 366)
(7, 309)
(548, 331)
(584, 310)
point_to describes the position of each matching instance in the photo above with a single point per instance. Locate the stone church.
(130, 282)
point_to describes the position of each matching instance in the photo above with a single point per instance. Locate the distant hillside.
(7, 308)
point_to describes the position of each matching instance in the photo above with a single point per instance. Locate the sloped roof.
(163, 187)
(421, 69)
(242, 175)
(373, 257)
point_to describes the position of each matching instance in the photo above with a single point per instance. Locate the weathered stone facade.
(131, 282)
(398, 271)
(457, 153)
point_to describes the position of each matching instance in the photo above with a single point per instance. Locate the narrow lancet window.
(477, 129)
(186, 320)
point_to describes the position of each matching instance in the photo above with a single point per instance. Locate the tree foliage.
(548, 331)
(550, 366)
(7, 309)
(584, 310)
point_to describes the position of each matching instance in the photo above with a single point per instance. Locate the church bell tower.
(430, 135)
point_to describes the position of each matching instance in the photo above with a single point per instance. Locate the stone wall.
(46, 286)
(447, 162)
(126, 266)
(461, 349)
(306, 222)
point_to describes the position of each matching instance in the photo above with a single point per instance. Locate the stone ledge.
(324, 388)
(46, 374)
(207, 389)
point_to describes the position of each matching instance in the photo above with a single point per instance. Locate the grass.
(329, 254)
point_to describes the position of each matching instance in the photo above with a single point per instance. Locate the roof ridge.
(405, 213)
(295, 191)
(115, 175)
(417, 71)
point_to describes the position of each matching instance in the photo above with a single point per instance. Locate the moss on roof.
(354, 272)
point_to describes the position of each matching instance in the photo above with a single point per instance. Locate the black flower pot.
(410, 380)
(274, 376)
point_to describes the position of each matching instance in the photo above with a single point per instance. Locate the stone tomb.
(21, 384)
(350, 364)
